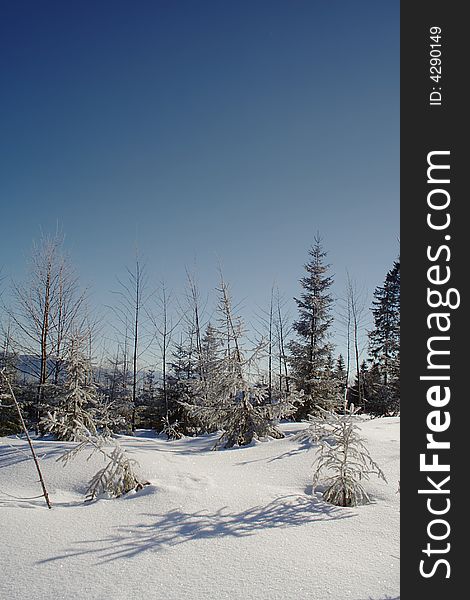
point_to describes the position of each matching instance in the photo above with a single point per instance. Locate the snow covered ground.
(234, 524)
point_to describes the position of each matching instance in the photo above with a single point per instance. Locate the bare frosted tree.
(9, 421)
(90, 330)
(133, 296)
(270, 345)
(192, 316)
(164, 327)
(268, 331)
(46, 307)
(345, 319)
(273, 331)
(69, 314)
(283, 330)
(353, 316)
(231, 324)
(356, 303)
(7, 349)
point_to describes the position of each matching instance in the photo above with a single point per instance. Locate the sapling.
(343, 455)
(118, 476)
(171, 430)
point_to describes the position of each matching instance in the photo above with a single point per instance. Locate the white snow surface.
(235, 524)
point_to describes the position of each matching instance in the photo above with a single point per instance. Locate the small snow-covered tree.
(226, 398)
(108, 417)
(243, 417)
(171, 429)
(344, 458)
(118, 476)
(77, 405)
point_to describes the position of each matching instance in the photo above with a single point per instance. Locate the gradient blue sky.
(202, 131)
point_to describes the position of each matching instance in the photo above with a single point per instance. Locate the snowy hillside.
(236, 524)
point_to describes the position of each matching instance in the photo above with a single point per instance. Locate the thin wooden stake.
(23, 425)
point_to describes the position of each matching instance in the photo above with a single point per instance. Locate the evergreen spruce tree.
(174, 423)
(214, 362)
(340, 368)
(310, 357)
(210, 353)
(384, 343)
(9, 422)
(183, 371)
(376, 395)
(184, 360)
(150, 412)
(340, 375)
(76, 410)
(9, 418)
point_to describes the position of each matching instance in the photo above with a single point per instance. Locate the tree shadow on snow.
(13, 454)
(36, 502)
(382, 598)
(184, 446)
(178, 527)
(303, 446)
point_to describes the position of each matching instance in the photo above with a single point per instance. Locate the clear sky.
(202, 131)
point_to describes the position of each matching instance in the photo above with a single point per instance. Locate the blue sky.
(202, 132)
